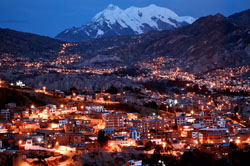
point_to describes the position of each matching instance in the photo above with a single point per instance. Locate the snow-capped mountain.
(114, 21)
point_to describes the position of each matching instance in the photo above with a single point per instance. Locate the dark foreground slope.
(25, 98)
(27, 44)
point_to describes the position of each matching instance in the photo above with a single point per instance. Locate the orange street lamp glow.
(237, 141)
(44, 88)
(111, 144)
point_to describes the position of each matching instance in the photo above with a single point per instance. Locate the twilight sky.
(50, 17)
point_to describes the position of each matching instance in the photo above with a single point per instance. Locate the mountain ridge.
(114, 21)
(210, 42)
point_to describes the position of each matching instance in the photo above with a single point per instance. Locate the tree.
(151, 104)
(233, 147)
(197, 158)
(112, 90)
(156, 157)
(149, 145)
(102, 139)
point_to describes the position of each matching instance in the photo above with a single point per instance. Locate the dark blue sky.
(49, 17)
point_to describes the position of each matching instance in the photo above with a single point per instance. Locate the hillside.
(25, 98)
(27, 44)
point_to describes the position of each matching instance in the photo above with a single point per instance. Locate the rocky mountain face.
(114, 21)
(210, 42)
(241, 18)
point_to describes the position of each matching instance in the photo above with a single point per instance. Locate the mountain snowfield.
(114, 21)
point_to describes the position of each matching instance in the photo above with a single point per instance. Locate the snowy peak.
(114, 21)
(152, 11)
(110, 13)
(112, 7)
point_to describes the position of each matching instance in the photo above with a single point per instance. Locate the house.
(155, 136)
(10, 105)
(108, 131)
(3, 129)
(173, 136)
(77, 139)
(62, 122)
(121, 141)
(196, 135)
(25, 113)
(29, 126)
(62, 139)
(82, 121)
(69, 128)
(5, 115)
(51, 108)
(180, 120)
(221, 123)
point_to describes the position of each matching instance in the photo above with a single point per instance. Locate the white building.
(63, 122)
(221, 123)
(135, 134)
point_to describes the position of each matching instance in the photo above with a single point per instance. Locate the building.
(5, 115)
(115, 120)
(221, 123)
(77, 139)
(135, 134)
(156, 124)
(180, 120)
(69, 128)
(206, 131)
(62, 139)
(63, 122)
(208, 120)
(217, 137)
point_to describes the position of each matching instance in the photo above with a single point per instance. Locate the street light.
(39, 139)
(44, 88)
(20, 142)
(237, 141)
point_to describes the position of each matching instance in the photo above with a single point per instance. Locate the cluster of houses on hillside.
(77, 125)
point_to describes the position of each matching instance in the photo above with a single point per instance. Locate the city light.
(237, 141)
(39, 139)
